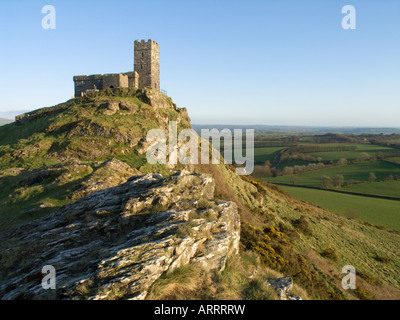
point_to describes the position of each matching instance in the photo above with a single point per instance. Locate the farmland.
(266, 154)
(357, 172)
(376, 211)
(367, 165)
(352, 155)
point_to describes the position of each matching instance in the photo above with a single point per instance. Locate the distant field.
(292, 164)
(267, 153)
(386, 188)
(396, 159)
(359, 171)
(376, 211)
(352, 154)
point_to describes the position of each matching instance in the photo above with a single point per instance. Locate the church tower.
(147, 63)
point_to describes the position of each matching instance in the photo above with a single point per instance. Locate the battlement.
(146, 42)
(146, 72)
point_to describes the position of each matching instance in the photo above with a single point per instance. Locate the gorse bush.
(276, 252)
(363, 294)
(302, 225)
(330, 254)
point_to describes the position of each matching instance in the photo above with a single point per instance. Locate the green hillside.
(376, 211)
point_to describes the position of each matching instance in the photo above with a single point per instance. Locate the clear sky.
(228, 62)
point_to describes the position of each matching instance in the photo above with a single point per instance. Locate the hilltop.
(74, 179)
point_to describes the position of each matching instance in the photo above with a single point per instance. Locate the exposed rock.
(99, 130)
(109, 108)
(125, 106)
(282, 286)
(156, 99)
(36, 176)
(110, 174)
(114, 243)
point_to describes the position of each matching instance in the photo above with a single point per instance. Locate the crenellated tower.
(147, 63)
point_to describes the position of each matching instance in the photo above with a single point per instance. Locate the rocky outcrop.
(111, 173)
(94, 129)
(282, 287)
(114, 243)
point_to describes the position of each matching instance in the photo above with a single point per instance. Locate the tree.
(342, 161)
(288, 171)
(372, 177)
(390, 178)
(262, 171)
(326, 182)
(363, 156)
(293, 178)
(338, 180)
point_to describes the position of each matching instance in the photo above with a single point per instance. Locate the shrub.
(258, 290)
(363, 294)
(330, 254)
(302, 225)
(368, 278)
(273, 232)
(277, 252)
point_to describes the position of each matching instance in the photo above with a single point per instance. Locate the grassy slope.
(358, 244)
(46, 142)
(395, 159)
(73, 129)
(377, 211)
(355, 242)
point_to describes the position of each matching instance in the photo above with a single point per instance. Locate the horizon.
(276, 63)
(250, 125)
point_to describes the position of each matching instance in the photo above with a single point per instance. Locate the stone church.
(146, 72)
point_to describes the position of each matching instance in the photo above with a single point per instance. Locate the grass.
(376, 211)
(385, 188)
(359, 171)
(395, 159)
(244, 278)
(353, 154)
(78, 129)
(267, 153)
(17, 202)
(356, 243)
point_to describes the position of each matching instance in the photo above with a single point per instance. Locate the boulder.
(282, 287)
(109, 108)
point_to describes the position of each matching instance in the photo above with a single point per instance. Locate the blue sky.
(228, 62)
